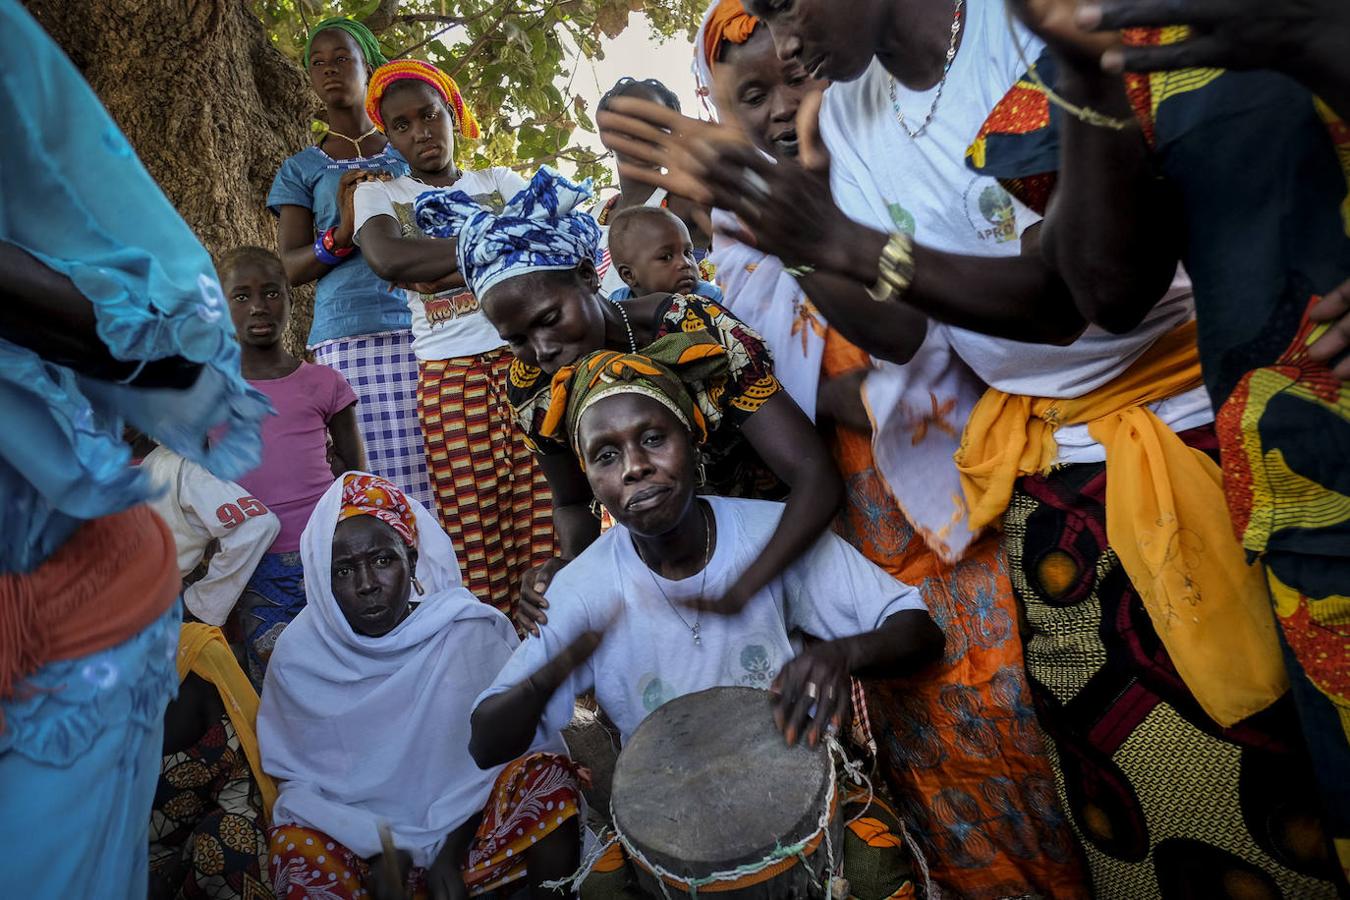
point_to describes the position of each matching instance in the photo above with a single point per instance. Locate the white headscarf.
(362, 730)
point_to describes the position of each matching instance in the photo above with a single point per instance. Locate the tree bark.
(210, 106)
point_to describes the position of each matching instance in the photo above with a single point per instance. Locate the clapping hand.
(785, 206)
(1284, 35)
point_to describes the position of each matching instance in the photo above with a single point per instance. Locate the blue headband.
(539, 229)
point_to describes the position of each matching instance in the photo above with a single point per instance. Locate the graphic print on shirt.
(902, 219)
(654, 692)
(756, 664)
(993, 214)
(446, 307)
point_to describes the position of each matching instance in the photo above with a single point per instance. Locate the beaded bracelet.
(896, 270)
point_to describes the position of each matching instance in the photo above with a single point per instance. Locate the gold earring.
(597, 509)
(417, 586)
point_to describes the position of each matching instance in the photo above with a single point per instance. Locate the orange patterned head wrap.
(669, 370)
(403, 69)
(727, 22)
(371, 495)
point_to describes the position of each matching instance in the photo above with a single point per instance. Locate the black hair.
(625, 219)
(627, 84)
(249, 254)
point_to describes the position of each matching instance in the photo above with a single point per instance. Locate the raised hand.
(786, 208)
(1056, 22)
(1284, 35)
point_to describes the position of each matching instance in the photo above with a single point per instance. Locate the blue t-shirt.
(351, 299)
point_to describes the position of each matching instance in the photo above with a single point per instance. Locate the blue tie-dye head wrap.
(539, 229)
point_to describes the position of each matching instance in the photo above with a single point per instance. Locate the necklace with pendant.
(707, 557)
(354, 141)
(946, 69)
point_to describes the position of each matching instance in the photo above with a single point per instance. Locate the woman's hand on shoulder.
(813, 693)
(530, 611)
(346, 197)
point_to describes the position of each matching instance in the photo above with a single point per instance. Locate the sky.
(636, 52)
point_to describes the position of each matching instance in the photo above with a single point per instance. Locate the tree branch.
(382, 16)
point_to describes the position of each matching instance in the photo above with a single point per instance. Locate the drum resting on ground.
(709, 799)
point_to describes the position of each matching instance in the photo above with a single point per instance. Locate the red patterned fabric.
(371, 495)
(491, 496)
(531, 798)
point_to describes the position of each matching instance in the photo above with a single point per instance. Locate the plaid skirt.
(382, 370)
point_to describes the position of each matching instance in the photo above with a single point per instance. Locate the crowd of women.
(974, 379)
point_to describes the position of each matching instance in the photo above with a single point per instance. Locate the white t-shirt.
(885, 179)
(449, 324)
(648, 656)
(198, 507)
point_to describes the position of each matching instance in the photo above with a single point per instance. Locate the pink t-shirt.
(294, 472)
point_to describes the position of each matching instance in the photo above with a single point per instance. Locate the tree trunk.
(210, 106)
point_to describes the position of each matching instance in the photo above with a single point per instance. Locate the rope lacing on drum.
(854, 771)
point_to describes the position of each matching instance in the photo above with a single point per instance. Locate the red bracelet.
(339, 252)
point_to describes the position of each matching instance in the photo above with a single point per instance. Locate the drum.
(709, 799)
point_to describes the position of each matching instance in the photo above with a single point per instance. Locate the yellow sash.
(203, 651)
(1166, 519)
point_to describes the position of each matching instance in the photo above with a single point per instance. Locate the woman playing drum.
(630, 617)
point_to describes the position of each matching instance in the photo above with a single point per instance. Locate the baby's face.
(662, 257)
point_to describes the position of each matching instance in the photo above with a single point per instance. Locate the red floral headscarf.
(371, 495)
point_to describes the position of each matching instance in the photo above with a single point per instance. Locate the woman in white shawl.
(364, 721)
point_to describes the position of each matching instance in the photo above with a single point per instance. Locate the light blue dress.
(81, 739)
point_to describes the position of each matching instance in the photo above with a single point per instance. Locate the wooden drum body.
(709, 800)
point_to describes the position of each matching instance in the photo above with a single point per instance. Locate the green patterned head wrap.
(369, 44)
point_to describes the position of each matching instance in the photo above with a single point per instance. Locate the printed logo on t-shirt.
(442, 308)
(654, 692)
(756, 664)
(991, 211)
(902, 219)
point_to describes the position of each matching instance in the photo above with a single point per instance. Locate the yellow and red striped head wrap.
(727, 21)
(404, 69)
(371, 495)
(668, 370)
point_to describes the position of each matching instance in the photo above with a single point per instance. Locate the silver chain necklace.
(707, 558)
(627, 325)
(946, 69)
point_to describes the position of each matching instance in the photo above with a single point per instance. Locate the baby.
(653, 254)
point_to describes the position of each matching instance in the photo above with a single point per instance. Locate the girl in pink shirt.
(312, 439)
